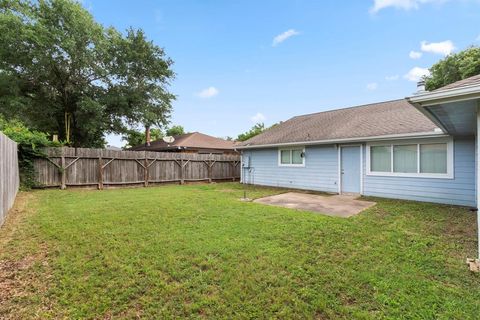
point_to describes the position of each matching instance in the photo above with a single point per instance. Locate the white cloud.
(392, 77)
(158, 15)
(415, 55)
(284, 36)
(400, 4)
(259, 117)
(478, 38)
(372, 86)
(444, 47)
(397, 4)
(416, 74)
(208, 92)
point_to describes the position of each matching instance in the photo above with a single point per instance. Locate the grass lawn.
(197, 251)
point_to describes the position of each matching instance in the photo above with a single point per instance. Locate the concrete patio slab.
(336, 205)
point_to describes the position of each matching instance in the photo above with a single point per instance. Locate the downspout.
(474, 264)
(478, 185)
(241, 165)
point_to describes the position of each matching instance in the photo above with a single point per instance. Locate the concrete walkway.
(336, 205)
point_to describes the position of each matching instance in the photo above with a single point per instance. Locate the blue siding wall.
(320, 172)
(458, 191)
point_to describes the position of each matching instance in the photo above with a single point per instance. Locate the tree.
(30, 144)
(453, 68)
(175, 130)
(255, 130)
(134, 137)
(61, 72)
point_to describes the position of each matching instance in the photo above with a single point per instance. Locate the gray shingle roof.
(194, 140)
(475, 80)
(377, 119)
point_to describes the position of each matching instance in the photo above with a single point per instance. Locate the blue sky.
(239, 62)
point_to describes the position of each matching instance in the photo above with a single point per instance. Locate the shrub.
(30, 144)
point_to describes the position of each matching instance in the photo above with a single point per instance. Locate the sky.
(242, 62)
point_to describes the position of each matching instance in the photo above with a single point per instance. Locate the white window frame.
(280, 164)
(418, 174)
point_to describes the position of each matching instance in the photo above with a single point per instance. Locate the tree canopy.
(174, 131)
(255, 130)
(30, 144)
(453, 68)
(63, 73)
(135, 137)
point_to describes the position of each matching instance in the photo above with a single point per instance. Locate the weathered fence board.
(69, 167)
(9, 176)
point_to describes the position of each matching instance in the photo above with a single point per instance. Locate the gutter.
(429, 134)
(429, 98)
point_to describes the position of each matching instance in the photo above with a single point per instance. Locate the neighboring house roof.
(109, 147)
(193, 140)
(372, 120)
(474, 80)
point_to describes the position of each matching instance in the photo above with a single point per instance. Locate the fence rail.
(77, 167)
(9, 176)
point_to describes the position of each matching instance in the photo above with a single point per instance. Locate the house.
(194, 142)
(420, 148)
(113, 148)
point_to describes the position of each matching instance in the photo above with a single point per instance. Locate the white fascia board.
(449, 95)
(422, 100)
(429, 134)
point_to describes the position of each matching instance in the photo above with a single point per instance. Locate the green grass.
(197, 251)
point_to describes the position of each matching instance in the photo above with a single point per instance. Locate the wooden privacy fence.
(65, 167)
(9, 176)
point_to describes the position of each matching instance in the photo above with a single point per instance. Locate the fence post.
(234, 168)
(182, 167)
(145, 170)
(100, 173)
(63, 171)
(209, 165)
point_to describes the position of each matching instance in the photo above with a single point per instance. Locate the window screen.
(433, 158)
(405, 158)
(380, 159)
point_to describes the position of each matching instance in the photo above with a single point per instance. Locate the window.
(381, 161)
(291, 157)
(433, 158)
(297, 157)
(405, 158)
(430, 159)
(285, 156)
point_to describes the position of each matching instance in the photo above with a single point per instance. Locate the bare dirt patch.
(15, 216)
(23, 262)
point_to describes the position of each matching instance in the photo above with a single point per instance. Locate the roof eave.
(432, 98)
(429, 134)
(442, 96)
